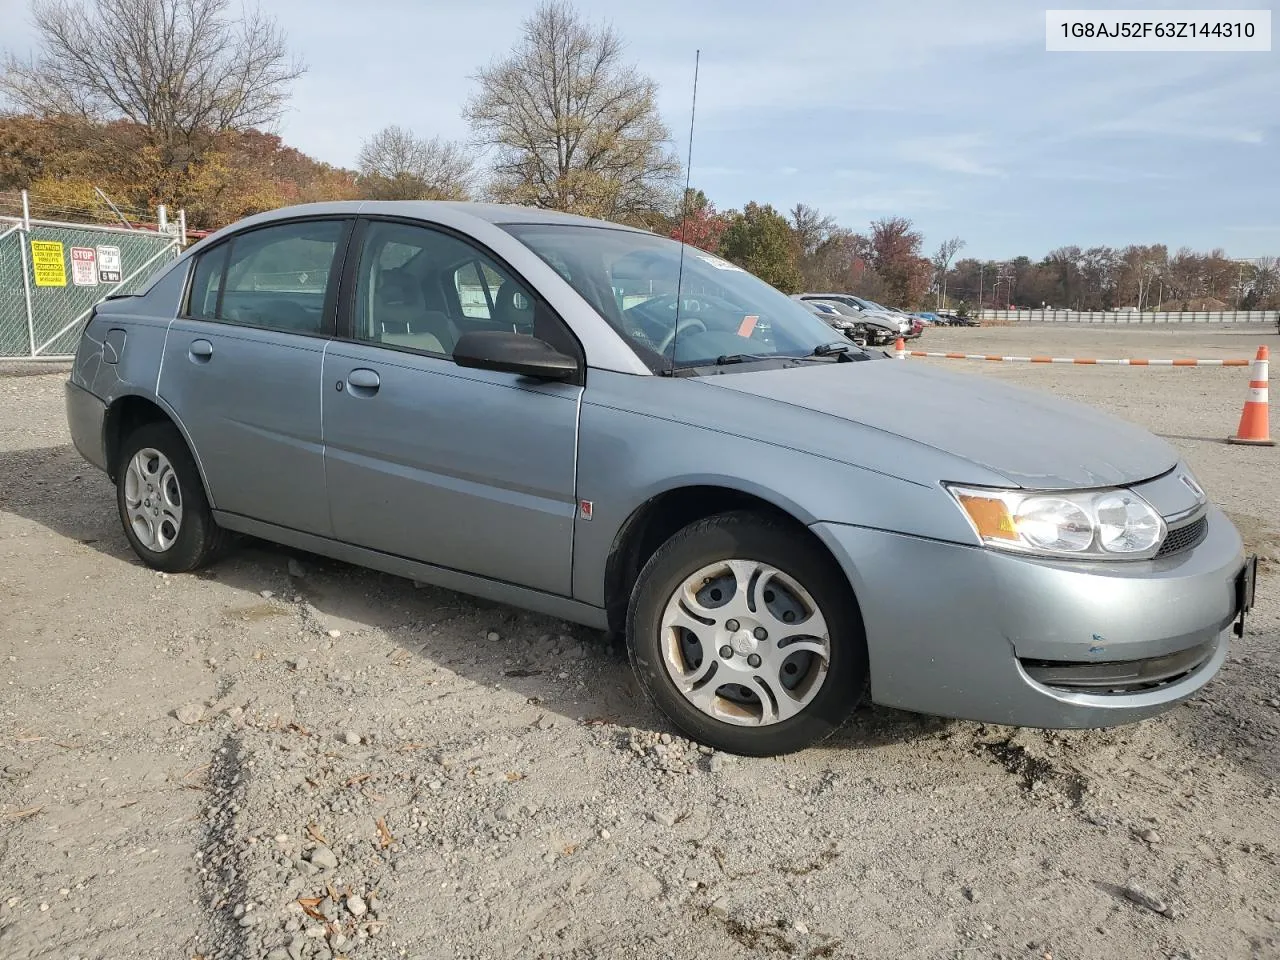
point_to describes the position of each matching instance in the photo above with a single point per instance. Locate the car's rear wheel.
(746, 635)
(162, 504)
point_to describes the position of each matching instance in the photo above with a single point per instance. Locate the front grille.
(1184, 538)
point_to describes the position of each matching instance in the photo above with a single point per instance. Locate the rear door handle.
(201, 351)
(363, 382)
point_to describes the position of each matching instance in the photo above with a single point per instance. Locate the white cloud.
(957, 153)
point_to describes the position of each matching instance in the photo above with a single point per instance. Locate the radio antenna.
(684, 214)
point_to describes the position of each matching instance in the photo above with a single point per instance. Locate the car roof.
(496, 213)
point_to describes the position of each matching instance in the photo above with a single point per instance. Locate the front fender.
(626, 458)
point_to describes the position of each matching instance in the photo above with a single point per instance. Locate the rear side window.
(273, 278)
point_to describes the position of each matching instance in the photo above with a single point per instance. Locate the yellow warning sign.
(48, 264)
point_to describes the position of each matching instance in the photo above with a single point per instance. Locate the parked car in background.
(915, 325)
(909, 324)
(883, 326)
(863, 328)
(529, 407)
(958, 321)
(854, 330)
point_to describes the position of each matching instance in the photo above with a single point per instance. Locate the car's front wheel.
(746, 635)
(162, 503)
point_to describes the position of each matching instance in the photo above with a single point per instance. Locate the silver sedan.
(597, 423)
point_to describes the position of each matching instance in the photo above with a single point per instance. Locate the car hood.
(878, 319)
(1032, 438)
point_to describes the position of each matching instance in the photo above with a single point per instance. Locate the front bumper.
(85, 417)
(975, 634)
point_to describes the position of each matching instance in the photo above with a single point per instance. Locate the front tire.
(746, 635)
(162, 504)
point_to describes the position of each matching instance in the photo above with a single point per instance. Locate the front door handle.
(201, 351)
(363, 382)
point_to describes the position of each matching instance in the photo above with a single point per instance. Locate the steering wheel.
(681, 327)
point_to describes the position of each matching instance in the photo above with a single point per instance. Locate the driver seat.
(403, 318)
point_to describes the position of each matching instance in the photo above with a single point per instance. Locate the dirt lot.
(217, 765)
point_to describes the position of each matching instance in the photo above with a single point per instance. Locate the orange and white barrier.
(902, 353)
(1254, 426)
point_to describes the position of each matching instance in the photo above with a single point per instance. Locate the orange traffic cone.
(1254, 427)
(900, 349)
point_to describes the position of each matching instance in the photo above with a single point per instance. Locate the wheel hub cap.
(153, 500)
(745, 642)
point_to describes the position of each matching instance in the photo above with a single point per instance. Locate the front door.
(466, 469)
(243, 364)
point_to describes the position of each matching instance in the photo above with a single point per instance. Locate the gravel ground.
(287, 757)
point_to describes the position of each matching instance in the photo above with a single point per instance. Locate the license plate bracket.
(1246, 584)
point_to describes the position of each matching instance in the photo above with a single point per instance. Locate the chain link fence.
(52, 274)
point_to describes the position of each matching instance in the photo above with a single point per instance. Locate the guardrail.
(1129, 316)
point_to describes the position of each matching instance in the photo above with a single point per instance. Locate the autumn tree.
(760, 240)
(239, 172)
(572, 126)
(699, 224)
(396, 164)
(181, 71)
(895, 254)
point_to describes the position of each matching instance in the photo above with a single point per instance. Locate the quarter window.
(206, 284)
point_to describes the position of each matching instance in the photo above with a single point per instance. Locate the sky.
(947, 112)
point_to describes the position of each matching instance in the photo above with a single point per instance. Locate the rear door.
(243, 364)
(468, 469)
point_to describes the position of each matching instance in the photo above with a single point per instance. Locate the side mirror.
(513, 353)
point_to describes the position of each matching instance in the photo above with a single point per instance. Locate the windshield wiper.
(829, 349)
(742, 358)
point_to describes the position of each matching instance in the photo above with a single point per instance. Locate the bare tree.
(182, 69)
(571, 125)
(811, 228)
(397, 165)
(942, 258)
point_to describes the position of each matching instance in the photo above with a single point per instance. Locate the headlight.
(1101, 524)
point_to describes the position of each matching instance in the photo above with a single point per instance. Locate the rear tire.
(162, 503)
(731, 678)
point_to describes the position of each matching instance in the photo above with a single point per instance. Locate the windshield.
(631, 279)
(844, 309)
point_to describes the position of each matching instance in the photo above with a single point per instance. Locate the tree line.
(1108, 278)
(152, 101)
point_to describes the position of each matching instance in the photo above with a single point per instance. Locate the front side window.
(273, 278)
(638, 285)
(421, 289)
